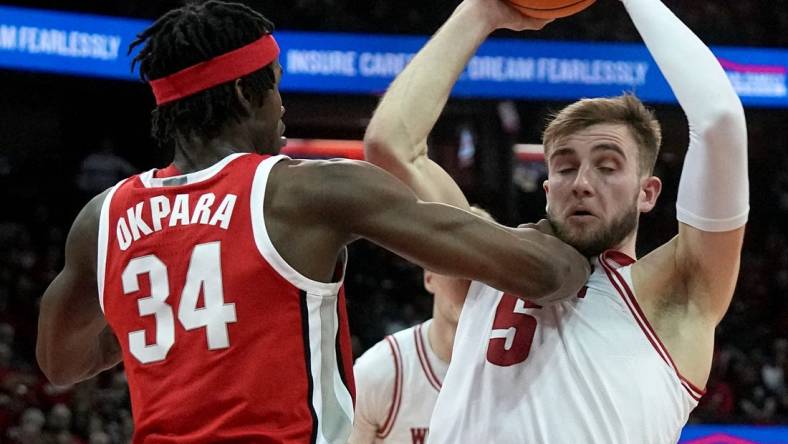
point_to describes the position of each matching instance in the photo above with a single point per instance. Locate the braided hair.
(187, 36)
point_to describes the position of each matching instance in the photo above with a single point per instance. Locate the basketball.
(550, 9)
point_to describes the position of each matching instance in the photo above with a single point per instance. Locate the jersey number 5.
(512, 332)
(205, 273)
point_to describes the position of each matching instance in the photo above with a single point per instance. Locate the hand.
(500, 15)
(574, 267)
(544, 226)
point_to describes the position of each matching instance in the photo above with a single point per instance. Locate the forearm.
(561, 261)
(457, 243)
(714, 189)
(73, 343)
(414, 101)
(523, 262)
(71, 360)
(364, 201)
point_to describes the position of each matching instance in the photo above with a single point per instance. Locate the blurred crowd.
(742, 22)
(747, 384)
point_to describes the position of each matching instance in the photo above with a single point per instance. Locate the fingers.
(537, 24)
(544, 226)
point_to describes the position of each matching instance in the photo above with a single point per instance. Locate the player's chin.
(579, 237)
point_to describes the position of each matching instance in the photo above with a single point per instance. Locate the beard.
(593, 242)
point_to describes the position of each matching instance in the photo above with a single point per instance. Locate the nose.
(581, 186)
(282, 112)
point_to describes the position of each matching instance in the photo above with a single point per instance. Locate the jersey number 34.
(204, 274)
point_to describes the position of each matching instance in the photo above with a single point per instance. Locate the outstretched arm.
(396, 138)
(356, 199)
(74, 341)
(713, 200)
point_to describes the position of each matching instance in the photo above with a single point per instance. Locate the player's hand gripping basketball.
(500, 15)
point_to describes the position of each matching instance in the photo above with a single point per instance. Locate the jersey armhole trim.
(266, 247)
(103, 242)
(396, 400)
(424, 359)
(626, 293)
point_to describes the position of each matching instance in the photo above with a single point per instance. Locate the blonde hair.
(625, 109)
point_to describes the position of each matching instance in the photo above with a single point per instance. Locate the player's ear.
(429, 281)
(243, 99)
(650, 188)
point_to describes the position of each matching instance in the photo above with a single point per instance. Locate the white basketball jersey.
(397, 384)
(588, 370)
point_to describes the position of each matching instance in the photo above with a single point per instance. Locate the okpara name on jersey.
(161, 213)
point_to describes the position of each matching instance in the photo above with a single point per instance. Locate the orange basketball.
(550, 9)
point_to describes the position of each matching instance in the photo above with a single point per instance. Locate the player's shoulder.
(89, 217)
(405, 337)
(377, 367)
(391, 349)
(383, 359)
(320, 186)
(299, 172)
(82, 239)
(380, 353)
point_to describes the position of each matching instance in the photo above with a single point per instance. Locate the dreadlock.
(189, 35)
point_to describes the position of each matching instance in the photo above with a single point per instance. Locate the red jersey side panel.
(220, 342)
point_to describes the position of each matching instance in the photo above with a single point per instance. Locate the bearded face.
(595, 191)
(592, 239)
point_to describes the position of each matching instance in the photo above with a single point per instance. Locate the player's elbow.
(376, 150)
(725, 129)
(386, 142)
(380, 152)
(730, 113)
(725, 115)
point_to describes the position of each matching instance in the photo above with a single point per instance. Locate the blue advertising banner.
(91, 45)
(707, 434)
(519, 69)
(78, 44)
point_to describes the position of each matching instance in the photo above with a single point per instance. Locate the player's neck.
(194, 154)
(628, 246)
(441, 337)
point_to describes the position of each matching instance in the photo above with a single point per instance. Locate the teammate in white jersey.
(397, 384)
(398, 379)
(622, 361)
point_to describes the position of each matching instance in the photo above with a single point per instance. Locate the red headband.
(230, 66)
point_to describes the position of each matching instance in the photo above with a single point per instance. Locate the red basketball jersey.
(222, 340)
